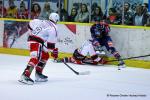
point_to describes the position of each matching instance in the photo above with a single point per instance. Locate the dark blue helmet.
(102, 27)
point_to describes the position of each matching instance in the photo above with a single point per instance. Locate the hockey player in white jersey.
(41, 40)
(88, 53)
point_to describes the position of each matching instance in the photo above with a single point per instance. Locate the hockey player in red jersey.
(41, 40)
(88, 53)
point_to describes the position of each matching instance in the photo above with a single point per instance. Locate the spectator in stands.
(145, 11)
(94, 5)
(148, 21)
(35, 10)
(62, 12)
(145, 8)
(97, 14)
(127, 14)
(76, 6)
(139, 18)
(12, 10)
(83, 15)
(72, 16)
(113, 17)
(2, 10)
(22, 12)
(46, 11)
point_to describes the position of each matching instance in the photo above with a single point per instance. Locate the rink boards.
(129, 40)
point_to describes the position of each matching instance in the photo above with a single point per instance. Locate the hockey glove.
(54, 53)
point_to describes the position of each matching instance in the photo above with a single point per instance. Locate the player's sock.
(121, 62)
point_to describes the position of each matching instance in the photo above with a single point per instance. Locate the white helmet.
(54, 17)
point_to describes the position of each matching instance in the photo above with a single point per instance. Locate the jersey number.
(37, 30)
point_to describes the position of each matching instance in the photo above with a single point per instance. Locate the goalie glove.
(54, 53)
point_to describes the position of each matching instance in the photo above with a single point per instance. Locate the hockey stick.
(76, 72)
(14, 39)
(130, 58)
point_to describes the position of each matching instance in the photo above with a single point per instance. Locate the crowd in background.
(80, 12)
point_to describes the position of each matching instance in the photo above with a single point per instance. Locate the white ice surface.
(63, 84)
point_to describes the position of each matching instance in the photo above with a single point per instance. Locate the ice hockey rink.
(103, 82)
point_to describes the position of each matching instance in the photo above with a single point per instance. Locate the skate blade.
(28, 83)
(41, 80)
(121, 67)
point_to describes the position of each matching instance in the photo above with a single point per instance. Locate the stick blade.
(84, 73)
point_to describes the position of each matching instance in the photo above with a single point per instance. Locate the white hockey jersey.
(87, 49)
(44, 29)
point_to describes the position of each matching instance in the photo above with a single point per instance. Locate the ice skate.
(39, 77)
(26, 80)
(121, 65)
